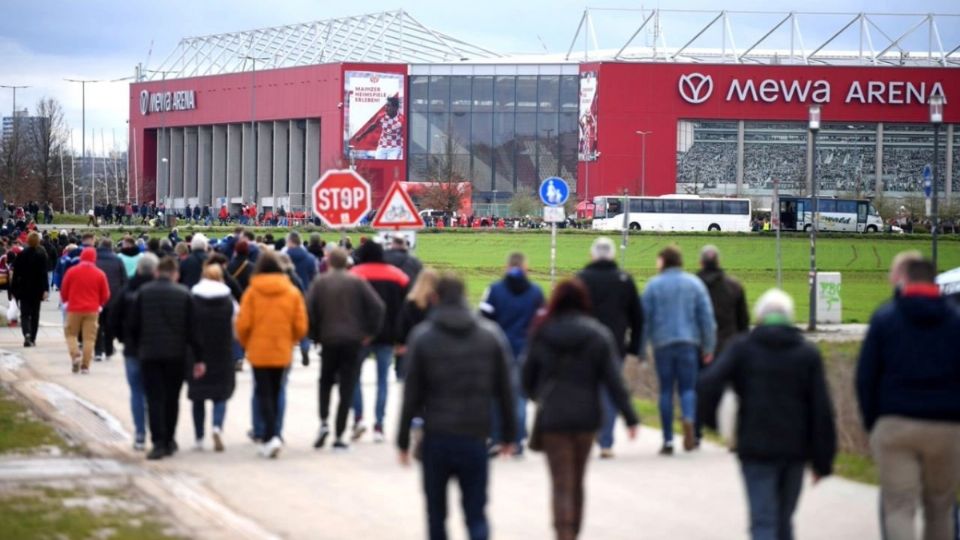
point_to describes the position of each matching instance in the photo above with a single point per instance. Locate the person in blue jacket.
(513, 303)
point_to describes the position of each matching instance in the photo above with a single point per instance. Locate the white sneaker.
(378, 435)
(217, 439)
(358, 430)
(198, 446)
(273, 447)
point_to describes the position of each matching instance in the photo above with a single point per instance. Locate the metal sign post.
(554, 192)
(626, 226)
(775, 220)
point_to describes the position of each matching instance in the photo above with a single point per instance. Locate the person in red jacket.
(84, 292)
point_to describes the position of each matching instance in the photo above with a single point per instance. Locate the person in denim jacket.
(680, 327)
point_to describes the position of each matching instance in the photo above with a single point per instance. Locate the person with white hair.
(785, 418)
(615, 302)
(191, 267)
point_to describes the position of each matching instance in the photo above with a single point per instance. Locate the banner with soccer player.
(588, 116)
(374, 124)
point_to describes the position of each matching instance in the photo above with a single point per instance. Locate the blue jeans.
(384, 356)
(259, 426)
(199, 415)
(496, 426)
(610, 412)
(773, 488)
(138, 399)
(676, 366)
(446, 456)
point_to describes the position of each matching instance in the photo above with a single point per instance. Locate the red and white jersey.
(391, 131)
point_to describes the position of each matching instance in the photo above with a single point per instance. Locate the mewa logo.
(695, 88)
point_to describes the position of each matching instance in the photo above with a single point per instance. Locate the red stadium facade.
(191, 140)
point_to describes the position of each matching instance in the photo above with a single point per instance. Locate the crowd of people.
(468, 371)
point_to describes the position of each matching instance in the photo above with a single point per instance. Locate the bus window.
(614, 207)
(635, 205)
(847, 207)
(873, 211)
(651, 206)
(827, 205)
(711, 207)
(671, 206)
(692, 207)
(735, 207)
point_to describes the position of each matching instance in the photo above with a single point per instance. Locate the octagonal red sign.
(341, 198)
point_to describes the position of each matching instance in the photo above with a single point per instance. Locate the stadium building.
(258, 116)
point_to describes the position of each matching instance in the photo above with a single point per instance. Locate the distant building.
(24, 122)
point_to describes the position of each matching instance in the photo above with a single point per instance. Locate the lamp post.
(643, 160)
(814, 127)
(936, 118)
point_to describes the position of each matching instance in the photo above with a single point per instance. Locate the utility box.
(829, 298)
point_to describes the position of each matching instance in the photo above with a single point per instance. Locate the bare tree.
(447, 178)
(47, 137)
(12, 161)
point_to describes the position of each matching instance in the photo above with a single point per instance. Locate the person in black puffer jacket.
(785, 417)
(162, 325)
(571, 356)
(214, 305)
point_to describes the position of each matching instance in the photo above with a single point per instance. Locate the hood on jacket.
(208, 288)
(516, 281)
(453, 319)
(778, 336)
(130, 251)
(88, 255)
(271, 284)
(566, 332)
(922, 311)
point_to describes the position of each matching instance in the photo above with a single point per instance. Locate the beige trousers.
(919, 465)
(87, 324)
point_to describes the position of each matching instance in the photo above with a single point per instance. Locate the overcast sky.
(44, 41)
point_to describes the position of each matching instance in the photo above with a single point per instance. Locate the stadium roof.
(628, 35)
(389, 36)
(768, 37)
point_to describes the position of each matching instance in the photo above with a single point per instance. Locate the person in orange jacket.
(272, 320)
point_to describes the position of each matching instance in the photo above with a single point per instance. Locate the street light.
(936, 118)
(643, 160)
(814, 127)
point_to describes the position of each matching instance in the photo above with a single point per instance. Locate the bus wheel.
(807, 227)
(871, 228)
(713, 227)
(634, 226)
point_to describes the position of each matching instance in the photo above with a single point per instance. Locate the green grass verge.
(21, 431)
(46, 513)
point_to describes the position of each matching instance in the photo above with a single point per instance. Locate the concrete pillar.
(218, 159)
(312, 152)
(296, 156)
(740, 130)
(878, 181)
(809, 164)
(190, 161)
(265, 163)
(948, 170)
(205, 165)
(281, 178)
(249, 181)
(163, 164)
(234, 164)
(176, 163)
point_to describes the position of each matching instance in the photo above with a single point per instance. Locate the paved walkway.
(366, 494)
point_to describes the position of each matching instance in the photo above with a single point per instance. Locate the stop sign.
(341, 198)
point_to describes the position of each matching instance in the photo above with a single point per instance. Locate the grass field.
(863, 261)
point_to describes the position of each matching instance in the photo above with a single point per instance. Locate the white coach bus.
(839, 215)
(672, 213)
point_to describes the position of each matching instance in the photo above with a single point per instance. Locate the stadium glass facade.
(505, 132)
(852, 158)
